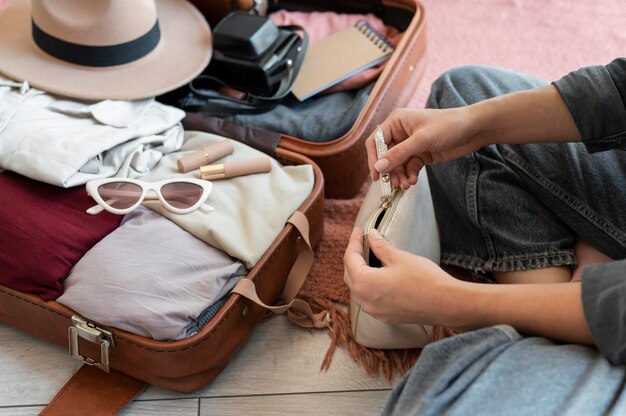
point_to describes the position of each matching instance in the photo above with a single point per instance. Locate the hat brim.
(183, 52)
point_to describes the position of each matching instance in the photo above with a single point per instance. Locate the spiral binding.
(376, 37)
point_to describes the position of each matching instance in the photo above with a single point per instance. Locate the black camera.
(252, 54)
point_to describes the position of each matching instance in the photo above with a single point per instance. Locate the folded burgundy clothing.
(44, 231)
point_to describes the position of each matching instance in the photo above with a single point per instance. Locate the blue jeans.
(494, 371)
(518, 207)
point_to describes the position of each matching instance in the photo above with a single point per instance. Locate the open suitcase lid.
(343, 160)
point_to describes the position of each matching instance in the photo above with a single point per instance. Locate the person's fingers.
(372, 157)
(399, 179)
(394, 180)
(381, 247)
(402, 177)
(353, 258)
(396, 156)
(413, 167)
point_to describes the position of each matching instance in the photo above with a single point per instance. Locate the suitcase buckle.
(86, 330)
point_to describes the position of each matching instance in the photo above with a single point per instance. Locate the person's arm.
(552, 310)
(588, 104)
(423, 137)
(604, 302)
(413, 289)
(531, 116)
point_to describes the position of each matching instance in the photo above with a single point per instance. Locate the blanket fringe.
(388, 363)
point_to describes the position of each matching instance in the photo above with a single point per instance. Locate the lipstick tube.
(235, 168)
(205, 156)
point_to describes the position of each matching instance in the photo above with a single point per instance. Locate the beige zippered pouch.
(407, 220)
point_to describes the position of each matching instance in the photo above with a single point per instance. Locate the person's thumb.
(381, 247)
(398, 155)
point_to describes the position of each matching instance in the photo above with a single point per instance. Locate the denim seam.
(512, 263)
(471, 196)
(613, 138)
(576, 204)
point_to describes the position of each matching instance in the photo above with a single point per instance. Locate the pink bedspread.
(546, 38)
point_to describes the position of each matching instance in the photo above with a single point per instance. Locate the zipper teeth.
(384, 222)
(208, 314)
(389, 212)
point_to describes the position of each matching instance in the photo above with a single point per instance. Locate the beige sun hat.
(103, 49)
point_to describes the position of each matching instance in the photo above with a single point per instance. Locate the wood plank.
(32, 370)
(282, 358)
(279, 358)
(184, 407)
(348, 403)
(21, 411)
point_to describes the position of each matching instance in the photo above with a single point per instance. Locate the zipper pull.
(385, 183)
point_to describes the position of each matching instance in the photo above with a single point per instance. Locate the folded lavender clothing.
(150, 277)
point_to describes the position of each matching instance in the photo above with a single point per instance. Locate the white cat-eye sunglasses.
(121, 195)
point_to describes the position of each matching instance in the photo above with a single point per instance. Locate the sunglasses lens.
(181, 194)
(120, 195)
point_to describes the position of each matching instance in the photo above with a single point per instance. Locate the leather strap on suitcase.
(89, 392)
(298, 310)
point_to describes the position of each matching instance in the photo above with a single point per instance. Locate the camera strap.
(223, 105)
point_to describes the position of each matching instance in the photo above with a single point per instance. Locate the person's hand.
(421, 137)
(407, 289)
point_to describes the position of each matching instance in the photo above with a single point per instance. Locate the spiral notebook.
(338, 57)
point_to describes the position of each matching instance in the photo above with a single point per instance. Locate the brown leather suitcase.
(343, 160)
(183, 365)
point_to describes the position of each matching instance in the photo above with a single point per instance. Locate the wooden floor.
(275, 373)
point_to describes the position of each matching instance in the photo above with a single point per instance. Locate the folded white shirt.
(67, 143)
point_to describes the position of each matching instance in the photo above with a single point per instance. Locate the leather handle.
(297, 310)
(91, 391)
